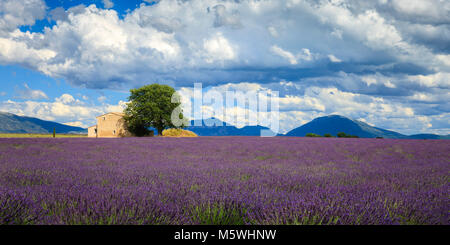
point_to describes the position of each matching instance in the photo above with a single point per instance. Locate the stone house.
(109, 125)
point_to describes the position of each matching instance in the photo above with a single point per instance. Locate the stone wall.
(111, 125)
(92, 131)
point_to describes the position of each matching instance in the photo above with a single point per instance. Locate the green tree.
(152, 106)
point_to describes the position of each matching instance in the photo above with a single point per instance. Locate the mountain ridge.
(331, 124)
(224, 130)
(11, 123)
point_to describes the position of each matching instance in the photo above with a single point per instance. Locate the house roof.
(116, 113)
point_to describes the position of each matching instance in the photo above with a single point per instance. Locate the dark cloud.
(58, 14)
(436, 37)
(223, 18)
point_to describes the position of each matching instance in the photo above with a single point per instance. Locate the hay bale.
(176, 132)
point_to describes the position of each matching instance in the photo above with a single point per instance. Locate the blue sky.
(385, 62)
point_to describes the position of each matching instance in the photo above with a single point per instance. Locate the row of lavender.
(224, 180)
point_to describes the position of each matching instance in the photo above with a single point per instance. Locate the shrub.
(177, 132)
(344, 135)
(328, 135)
(312, 135)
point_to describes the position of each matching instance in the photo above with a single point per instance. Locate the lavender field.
(224, 180)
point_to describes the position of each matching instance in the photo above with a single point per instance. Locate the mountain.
(429, 136)
(334, 124)
(10, 123)
(208, 128)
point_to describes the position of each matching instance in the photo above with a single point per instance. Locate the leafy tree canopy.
(153, 106)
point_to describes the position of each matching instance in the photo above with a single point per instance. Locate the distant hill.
(429, 136)
(334, 124)
(224, 130)
(10, 123)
